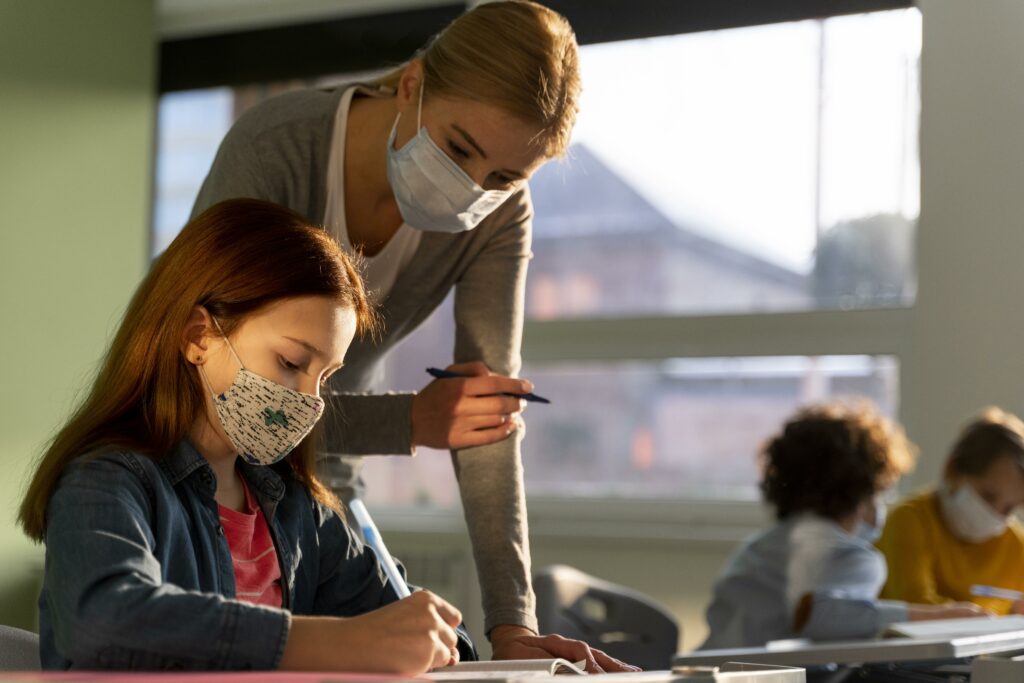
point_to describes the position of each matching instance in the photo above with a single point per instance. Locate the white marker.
(373, 539)
(981, 591)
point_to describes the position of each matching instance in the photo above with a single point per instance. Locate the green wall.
(77, 113)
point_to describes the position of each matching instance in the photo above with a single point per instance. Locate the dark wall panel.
(373, 41)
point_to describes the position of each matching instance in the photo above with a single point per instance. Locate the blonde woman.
(424, 172)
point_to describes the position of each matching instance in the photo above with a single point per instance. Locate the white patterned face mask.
(264, 420)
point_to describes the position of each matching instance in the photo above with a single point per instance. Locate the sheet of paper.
(506, 668)
(953, 628)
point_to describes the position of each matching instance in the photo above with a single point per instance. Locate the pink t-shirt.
(257, 571)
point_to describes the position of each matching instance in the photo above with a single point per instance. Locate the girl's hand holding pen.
(406, 637)
(471, 409)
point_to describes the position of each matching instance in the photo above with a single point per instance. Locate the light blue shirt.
(755, 599)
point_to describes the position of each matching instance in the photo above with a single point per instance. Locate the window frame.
(883, 331)
(309, 49)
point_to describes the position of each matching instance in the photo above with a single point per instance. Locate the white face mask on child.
(968, 516)
(264, 420)
(870, 532)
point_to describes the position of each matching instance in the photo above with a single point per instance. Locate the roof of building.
(581, 197)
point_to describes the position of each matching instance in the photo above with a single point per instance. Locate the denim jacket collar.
(185, 460)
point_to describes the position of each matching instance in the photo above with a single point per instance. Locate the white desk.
(804, 654)
(726, 673)
(732, 673)
(741, 673)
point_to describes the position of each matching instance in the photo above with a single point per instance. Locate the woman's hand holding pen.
(407, 637)
(467, 411)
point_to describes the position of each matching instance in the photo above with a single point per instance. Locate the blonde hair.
(516, 55)
(993, 434)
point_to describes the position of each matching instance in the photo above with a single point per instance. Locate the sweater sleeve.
(838, 616)
(489, 303)
(844, 603)
(910, 557)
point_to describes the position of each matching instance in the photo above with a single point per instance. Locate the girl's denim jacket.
(139, 573)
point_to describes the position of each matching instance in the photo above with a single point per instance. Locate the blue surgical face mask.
(871, 532)
(432, 192)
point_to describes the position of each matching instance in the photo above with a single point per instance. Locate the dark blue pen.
(448, 374)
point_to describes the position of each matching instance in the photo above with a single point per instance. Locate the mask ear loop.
(202, 371)
(419, 125)
(419, 109)
(228, 342)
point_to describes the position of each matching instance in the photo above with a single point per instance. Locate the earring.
(199, 359)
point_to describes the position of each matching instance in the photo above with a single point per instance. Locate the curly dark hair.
(829, 458)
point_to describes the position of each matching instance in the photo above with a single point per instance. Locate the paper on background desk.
(954, 628)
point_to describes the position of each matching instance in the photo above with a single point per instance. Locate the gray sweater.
(278, 151)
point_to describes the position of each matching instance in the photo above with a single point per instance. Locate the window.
(730, 237)
(190, 127)
(682, 427)
(755, 169)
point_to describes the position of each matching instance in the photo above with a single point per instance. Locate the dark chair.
(19, 650)
(623, 622)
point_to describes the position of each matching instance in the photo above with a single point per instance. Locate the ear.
(949, 475)
(860, 513)
(196, 335)
(409, 84)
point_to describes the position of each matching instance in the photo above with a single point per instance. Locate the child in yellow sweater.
(940, 543)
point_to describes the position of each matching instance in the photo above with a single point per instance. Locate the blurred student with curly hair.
(815, 573)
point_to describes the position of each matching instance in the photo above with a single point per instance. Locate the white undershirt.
(379, 271)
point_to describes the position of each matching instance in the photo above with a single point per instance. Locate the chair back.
(623, 622)
(19, 649)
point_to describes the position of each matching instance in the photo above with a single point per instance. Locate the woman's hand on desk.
(952, 610)
(460, 412)
(516, 642)
(407, 637)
